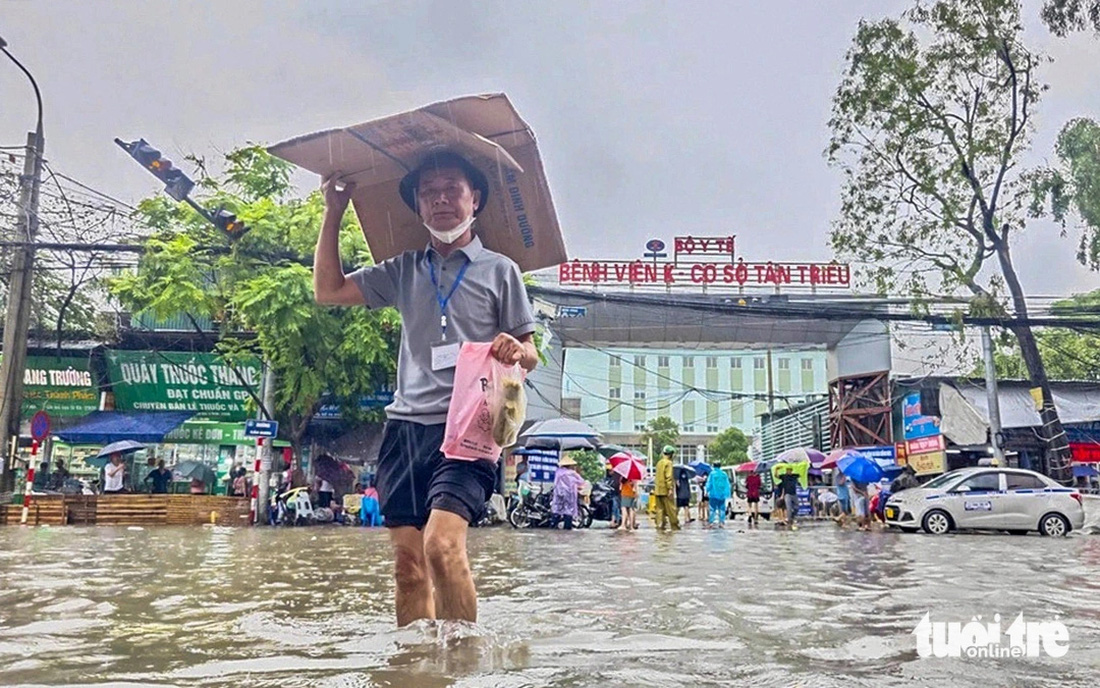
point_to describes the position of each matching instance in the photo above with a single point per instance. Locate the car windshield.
(943, 480)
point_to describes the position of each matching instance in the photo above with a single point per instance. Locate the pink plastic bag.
(469, 433)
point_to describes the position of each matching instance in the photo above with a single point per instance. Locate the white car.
(988, 498)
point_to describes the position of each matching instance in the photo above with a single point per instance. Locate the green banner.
(60, 386)
(182, 381)
(213, 432)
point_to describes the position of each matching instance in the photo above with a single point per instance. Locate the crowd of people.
(670, 497)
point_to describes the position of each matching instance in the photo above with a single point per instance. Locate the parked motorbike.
(600, 505)
(532, 510)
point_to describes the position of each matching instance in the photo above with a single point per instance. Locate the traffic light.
(178, 186)
(176, 183)
(228, 223)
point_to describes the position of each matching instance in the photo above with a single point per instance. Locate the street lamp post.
(17, 317)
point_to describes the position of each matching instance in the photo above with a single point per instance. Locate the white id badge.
(445, 355)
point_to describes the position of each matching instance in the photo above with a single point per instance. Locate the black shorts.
(682, 502)
(753, 500)
(414, 477)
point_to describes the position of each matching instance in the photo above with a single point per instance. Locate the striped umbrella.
(630, 467)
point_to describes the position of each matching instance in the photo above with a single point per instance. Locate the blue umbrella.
(891, 472)
(860, 469)
(701, 467)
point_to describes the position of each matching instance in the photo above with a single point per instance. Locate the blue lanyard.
(444, 300)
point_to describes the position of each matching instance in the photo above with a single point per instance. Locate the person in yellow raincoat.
(664, 489)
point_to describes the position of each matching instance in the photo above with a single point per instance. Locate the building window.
(784, 364)
(639, 361)
(689, 427)
(615, 362)
(615, 393)
(639, 427)
(662, 361)
(807, 364)
(758, 363)
(639, 394)
(735, 363)
(689, 361)
(712, 361)
(713, 429)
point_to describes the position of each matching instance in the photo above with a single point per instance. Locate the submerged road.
(212, 606)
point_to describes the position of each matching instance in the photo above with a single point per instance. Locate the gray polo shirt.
(489, 300)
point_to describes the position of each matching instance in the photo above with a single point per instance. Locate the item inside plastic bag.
(507, 402)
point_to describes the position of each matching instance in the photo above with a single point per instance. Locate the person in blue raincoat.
(717, 488)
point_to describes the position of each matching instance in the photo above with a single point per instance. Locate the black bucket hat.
(439, 159)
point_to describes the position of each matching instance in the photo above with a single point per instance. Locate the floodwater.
(212, 606)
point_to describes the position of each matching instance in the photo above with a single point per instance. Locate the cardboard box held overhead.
(518, 219)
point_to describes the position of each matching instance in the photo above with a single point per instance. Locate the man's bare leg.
(445, 551)
(413, 597)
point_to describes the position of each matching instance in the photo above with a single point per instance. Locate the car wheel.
(937, 522)
(519, 518)
(1054, 525)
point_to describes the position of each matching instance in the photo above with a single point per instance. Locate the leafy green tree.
(730, 447)
(1066, 16)
(1074, 186)
(929, 124)
(660, 431)
(589, 464)
(258, 289)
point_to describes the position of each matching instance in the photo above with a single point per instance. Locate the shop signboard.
(804, 506)
(542, 465)
(883, 455)
(924, 445)
(212, 432)
(916, 424)
(60, 386)
(381, 397)
(183, 381)
(929, 464)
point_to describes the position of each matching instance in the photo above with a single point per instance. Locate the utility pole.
(992, 400)
(17, 317)
(263, 478)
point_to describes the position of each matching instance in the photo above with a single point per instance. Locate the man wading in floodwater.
(453, 291)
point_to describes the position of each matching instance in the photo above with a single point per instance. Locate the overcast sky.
(654, 119)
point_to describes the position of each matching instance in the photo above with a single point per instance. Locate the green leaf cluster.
(590, 465)
(730, 447)
(661, 431)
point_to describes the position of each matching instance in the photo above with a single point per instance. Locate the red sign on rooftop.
(708, 262)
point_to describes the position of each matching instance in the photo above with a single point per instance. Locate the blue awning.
(104, 427)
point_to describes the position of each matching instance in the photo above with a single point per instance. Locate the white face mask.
(451, 235)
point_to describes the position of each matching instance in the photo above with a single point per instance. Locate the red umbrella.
(747, 467)
(630, 467)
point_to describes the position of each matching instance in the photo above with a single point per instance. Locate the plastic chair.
(303, 507)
